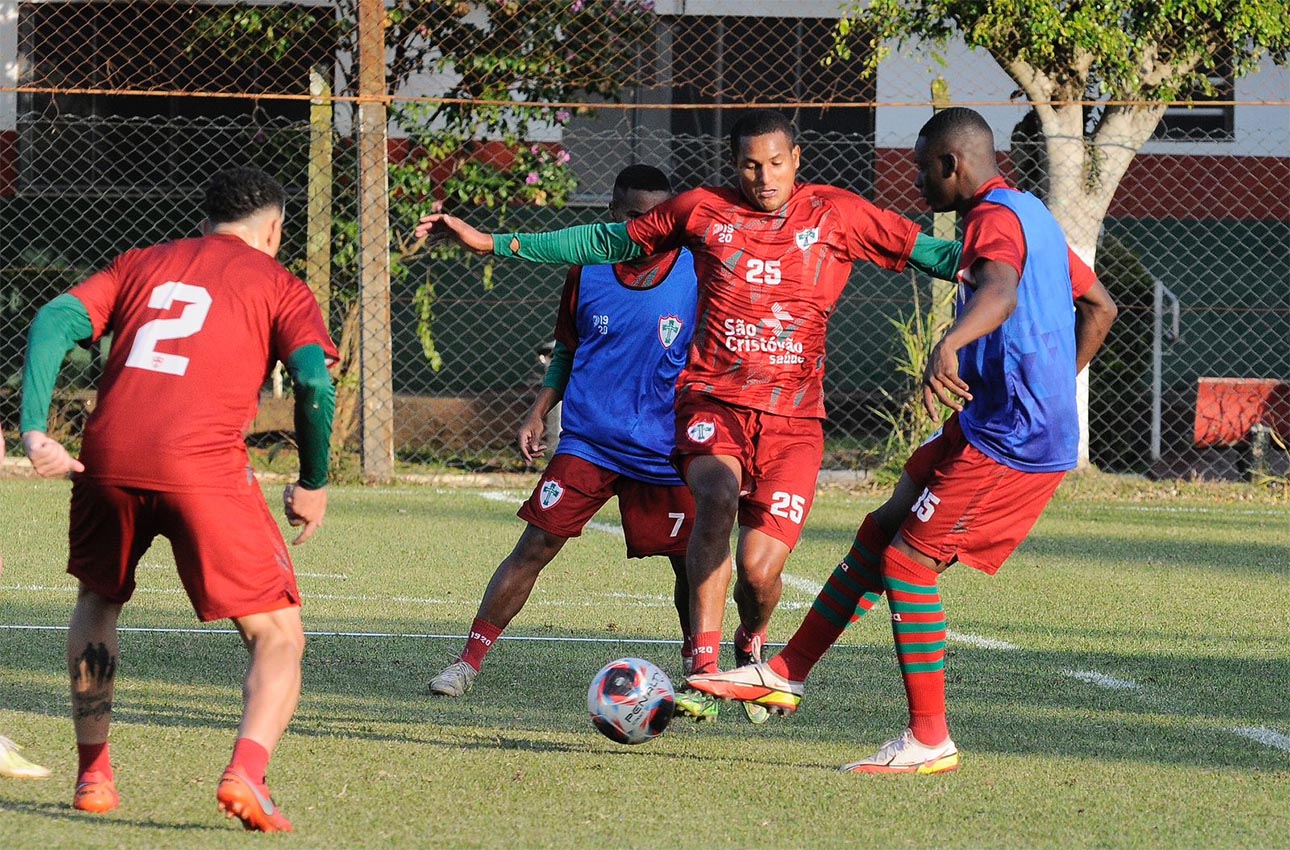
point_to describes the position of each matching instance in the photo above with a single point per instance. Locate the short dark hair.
(956, 122)
(642, 178)
(237, 193)
(760, 122)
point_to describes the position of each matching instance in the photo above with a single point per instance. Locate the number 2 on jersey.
(143, 353)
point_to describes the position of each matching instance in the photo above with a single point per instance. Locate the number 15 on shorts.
(926, 505)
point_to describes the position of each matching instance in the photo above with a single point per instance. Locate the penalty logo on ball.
(630, 701)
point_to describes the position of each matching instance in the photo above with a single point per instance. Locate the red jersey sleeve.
(566, 323)
(1082, 277)
(873, 234)
(993, 232)
(299, 321)
(664, 228)
(99, 293)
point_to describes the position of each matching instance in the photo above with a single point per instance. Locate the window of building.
(1202, 122)
(738, 60)
(154, 142)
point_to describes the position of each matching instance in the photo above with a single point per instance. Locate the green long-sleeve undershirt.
(596, 244)
(559, 369)
(64, 323)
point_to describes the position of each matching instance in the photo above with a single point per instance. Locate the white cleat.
(756, 683)
(15, 766)
(906, 754)
(455, 680)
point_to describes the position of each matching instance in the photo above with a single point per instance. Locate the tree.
(1099, 75)
(505, 67)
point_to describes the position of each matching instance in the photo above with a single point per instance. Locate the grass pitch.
(1121, 684)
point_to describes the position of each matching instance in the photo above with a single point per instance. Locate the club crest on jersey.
(701, 430)
(808, 237)
(550, 494)
(669, 328)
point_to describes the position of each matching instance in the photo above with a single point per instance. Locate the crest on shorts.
(669, 328)
(808, 237)
(701, 430)
(550, 494)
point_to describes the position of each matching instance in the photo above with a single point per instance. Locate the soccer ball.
(630, 701)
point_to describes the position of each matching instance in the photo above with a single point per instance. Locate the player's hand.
(48, 457)
(304, 507)
(439, 228)
(941, 381)
(530, 438)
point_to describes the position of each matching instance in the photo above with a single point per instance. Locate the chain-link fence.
(518, 115)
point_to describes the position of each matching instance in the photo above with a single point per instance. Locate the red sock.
(852, 589)
(93, 758)
(918, 626)
(687, 655)
(483, 635)
(705, 645)
(251, 758)
(744, 639)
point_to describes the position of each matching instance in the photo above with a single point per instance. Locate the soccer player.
(196, 325)
(772, 257)
(621, 339)
(1030, 315)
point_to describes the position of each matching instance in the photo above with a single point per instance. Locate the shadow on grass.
(532, 693)
(64, 812)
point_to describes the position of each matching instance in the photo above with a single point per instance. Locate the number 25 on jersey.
(143, 353)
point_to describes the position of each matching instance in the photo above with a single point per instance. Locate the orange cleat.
(250, 802)
(95, 793)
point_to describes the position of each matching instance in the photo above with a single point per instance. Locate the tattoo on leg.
(92, 674)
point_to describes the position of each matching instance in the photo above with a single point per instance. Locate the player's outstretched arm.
(582, 245)
(993, 299)
(1095, 312)
(305, 502)
(438, 228)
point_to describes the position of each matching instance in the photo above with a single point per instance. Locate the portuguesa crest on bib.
(669, 328)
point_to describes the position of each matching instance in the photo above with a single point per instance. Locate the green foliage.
(908, 422)
(473, 149)
(1121, 49)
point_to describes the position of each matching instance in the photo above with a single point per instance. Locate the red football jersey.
(768, 282)
(993, 232)
(196, 326)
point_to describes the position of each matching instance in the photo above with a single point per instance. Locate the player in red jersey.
(1030, 316)
(196, 325)
(772, 257)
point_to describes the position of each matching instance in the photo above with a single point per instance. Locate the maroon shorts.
(657, 518)
(972, 508)
(229, 552)
(780, 457)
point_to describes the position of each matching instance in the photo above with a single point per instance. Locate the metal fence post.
(943, 227)
(376, 377)
(318, 239)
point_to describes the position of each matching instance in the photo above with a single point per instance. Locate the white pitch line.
(1102, 680)
(979, 642)
(1264, 736)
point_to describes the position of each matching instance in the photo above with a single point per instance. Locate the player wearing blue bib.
(1030, 316)
(622, 338)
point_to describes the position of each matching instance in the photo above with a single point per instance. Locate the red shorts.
(972, 509)
(657, 518)
(229, 552)
(780, 457)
